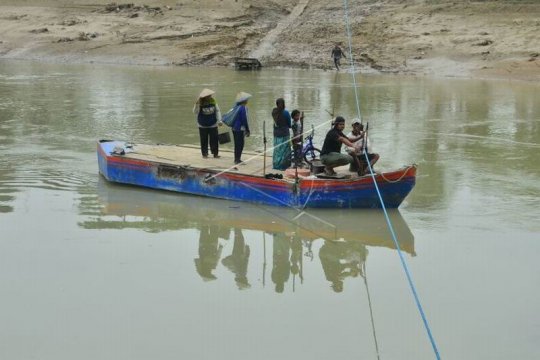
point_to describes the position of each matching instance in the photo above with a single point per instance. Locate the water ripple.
(44, 179)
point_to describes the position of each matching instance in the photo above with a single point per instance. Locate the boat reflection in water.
(345, 234)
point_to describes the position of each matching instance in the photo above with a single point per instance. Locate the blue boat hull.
(311, 193)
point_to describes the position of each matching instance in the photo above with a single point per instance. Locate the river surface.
(92, 270)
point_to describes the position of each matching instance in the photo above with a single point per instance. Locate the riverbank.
(492, 39)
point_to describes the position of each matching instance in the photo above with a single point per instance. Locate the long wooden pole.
(264, 147)
(368, 164)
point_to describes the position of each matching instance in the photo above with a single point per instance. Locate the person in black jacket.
(337, 54)
(331, 155)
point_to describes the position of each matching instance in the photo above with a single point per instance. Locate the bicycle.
(309, 151)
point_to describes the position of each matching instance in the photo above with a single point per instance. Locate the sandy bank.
(496, 39)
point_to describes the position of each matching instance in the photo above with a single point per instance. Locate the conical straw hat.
(242, 96)
(206, 92)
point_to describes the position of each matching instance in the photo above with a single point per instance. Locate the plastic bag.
(229, 117)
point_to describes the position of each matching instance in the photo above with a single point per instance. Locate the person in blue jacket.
(240, 125)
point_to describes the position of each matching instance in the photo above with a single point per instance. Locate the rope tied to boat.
(398, 179)
(388, 222)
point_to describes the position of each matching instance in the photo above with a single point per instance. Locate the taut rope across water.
(388, 222)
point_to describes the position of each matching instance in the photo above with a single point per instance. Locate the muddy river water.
(90, 270)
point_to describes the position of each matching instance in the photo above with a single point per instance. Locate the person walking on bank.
(281, 158)
(208, 119)
(337, 54)
(240, 125)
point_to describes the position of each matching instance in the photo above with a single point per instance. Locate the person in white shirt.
(358, 149)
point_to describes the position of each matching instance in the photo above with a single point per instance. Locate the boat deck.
(190, 155)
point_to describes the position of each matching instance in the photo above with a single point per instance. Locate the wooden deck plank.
(190, 155)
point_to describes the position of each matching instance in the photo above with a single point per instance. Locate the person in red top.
(331, 155)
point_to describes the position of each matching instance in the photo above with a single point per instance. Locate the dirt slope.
(465, 38)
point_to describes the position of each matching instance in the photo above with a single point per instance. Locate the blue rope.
(388, 222)
(403, 262)
(351, 61)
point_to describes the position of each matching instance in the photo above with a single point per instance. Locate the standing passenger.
(281, 158)
(208, 118)
(240, 126)
(298, 139)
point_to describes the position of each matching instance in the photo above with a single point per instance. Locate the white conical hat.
(206, 92)
(242, 96)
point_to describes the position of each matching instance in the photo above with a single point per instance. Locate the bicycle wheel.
(311, 155)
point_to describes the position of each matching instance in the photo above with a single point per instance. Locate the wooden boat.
(181, 168)
(247, 64)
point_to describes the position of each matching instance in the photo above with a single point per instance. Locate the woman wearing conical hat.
(240, 126)
(208, 119)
